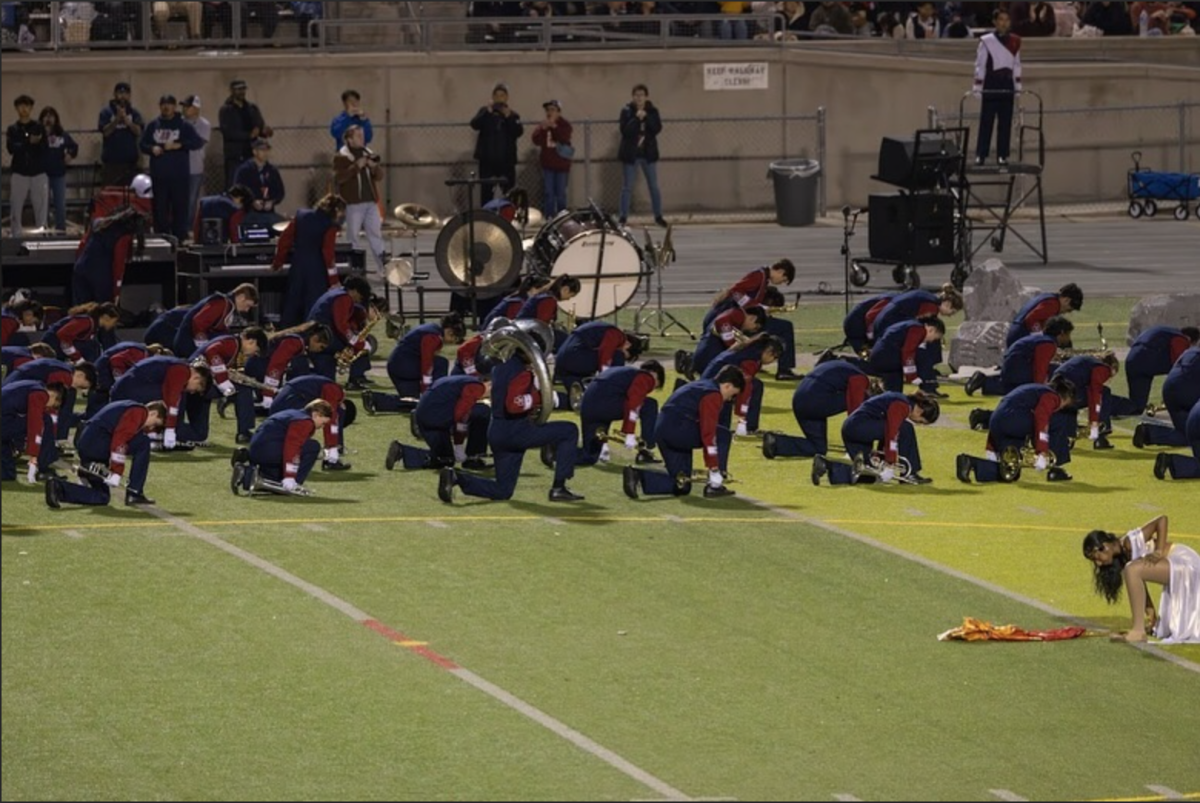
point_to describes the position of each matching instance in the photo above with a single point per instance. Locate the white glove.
(977, 92)
(267, 401)
(715, 478)
(990, 455)
(631, 441)
(226, 388)
(605, 455)
(366, 349)
(113, 480)
(887, 474)
(31, 475)
(1094, 433)
(290, 484)
(560, 401)
(917, 382)
(1041, 463)
(169, 439)
(741, 430)
(332, 455)
(460, 452)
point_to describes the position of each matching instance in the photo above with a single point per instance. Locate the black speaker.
(902, 163)
(212, 231)
(914, 229)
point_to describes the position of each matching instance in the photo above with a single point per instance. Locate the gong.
(495, 260)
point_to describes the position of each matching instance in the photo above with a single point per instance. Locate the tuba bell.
(504, 338)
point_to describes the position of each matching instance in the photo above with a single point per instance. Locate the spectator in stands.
(1033, 19)
(169, 141)
(733, 28)
(264, 181)
(265, 14)
(553, 138)
(1111, 18)
(955, 22)
(493, 32)
(191, 113)
(860, 20)
(1167, 19)
(163, 12)
(61, 148)
(241, 124)
(26, 142)
(831, 18)
(923, 23)
(304, 13)
(121, 126)
(890, 25)
(352, 114)
(499, 129)
(792, 22)
(357, 171)
(640, 125)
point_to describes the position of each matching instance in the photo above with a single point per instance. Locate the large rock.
(978, 343)
(1174, 309)
(993, 293)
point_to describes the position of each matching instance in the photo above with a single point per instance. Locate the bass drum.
(570, 245)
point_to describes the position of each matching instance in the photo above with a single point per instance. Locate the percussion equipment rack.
(658, 257)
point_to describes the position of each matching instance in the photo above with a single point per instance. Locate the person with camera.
(357, 171)
(499, 129)
(121, 126)
(553, 138)
(26, 143)
(640, 126)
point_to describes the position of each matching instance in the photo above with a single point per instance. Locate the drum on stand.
(570, 244)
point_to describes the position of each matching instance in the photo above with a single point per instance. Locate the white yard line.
(1004, 794)
(1165, 791)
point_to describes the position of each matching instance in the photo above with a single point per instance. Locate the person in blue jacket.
(61, 149)
(168, 139)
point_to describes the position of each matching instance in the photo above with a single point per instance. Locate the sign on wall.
(749, 75)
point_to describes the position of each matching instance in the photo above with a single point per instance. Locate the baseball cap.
(260, 143)
(553, 103)
(122, 86)
(192, 100)
(237, 83)
(167, 98)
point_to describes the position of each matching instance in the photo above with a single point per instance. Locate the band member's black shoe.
(1102, 443)
(368, 400)
(629, 481)
(788, 376)
(446, 482)
(1139, 436)
(1106, 429)
(679, 382)
(661, 221)
(48, 474)
(135, 498)
(475, 464)
(241, 455)
(917, 479)
(222, 406)
(1161, 463)
(713, 492)
(52, 494)
(975, 382)
(236, 478)
(393, 454)
(1057, 474)
(241, 438)
(962, 467)
(680, 356)
(769, 445)
(978, 419)
(547, 455)
(574, 396)
(564, 494)
(357, 384)
(819, 469)
(645, 457)
(934, 392)
(826, 356)
(335, 465)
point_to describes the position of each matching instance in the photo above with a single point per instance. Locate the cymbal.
(496, 260)
(281, 226)
(398, 271)
(416, 216)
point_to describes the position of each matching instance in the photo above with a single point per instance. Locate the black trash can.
(796, 191)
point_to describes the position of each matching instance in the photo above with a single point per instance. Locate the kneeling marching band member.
(466, 355)
(13, 357)
(1153, 353)
(212, 316)
(722, 335)
(342, 310)
(115, 436)
(591, 349)
(1032, 317)
(621, 394)
(1089, 376)
(1182, 467)
(453, 421)
(415, 363)
(886, 420)
(1025, 362)
(829, 389)
(1181, 391)
(1026, 414)
(691, 420)
(221, 354)
(282, 452)
(298, 393)
(169, 380)
(28, 425)
(749, 358)
(859, 324)
(287, 356)
(110, 367)
(519, 424)
(751, 291)
(73, 378)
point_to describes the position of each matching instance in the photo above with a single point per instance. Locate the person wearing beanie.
(168, 140)
(553, 138)
(499, 129)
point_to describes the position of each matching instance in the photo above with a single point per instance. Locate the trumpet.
(300, 327)
(1012, 460)
(1154, 409)
(238, 377)
(873, 465)
(348, 355)
(683, 480)
(604, 436)
(795, 305)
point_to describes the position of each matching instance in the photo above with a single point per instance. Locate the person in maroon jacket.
(467, 356)
(117, 435)
(287, 356)
(1027, 414)
(212, 316)
(1032, 317)
(553, 138)
(223, 352)
(76, 336)
(751, 291)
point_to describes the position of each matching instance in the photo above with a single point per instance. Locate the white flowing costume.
(1179, 608)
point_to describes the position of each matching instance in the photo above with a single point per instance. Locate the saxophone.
(348, 354)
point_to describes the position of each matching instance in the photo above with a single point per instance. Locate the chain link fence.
(1089, 150)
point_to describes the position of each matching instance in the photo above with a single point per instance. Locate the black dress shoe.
(1102, 443)
(713, 492)
(1139, 436)
(547, 455)
(335, 465)
(1161, 463)
(241, 455)
(819, 469)
(979, 419)
(564, 494)
(222, 406)
(661, 221)
(446, 482)
(52, 491)
(769, 445)
(788, 376)
(645, 457)
(917, 479)
(134, 498)
(629, 481)
(975, 382)
(358, 384)
(1057, 474)
(395, 450)
(475, 464)
(242, 438)
(368, 400)
(962, 467)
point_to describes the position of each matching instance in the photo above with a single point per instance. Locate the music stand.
(470, 182)
(660, 255)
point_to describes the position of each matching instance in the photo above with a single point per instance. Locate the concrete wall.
(709, 166)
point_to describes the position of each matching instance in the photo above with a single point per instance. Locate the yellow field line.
(403, 519)
(1146, 798)
(968, 525)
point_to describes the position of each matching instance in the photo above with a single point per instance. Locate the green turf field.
(373, 643)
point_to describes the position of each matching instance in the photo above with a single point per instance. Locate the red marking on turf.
(397, 636)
